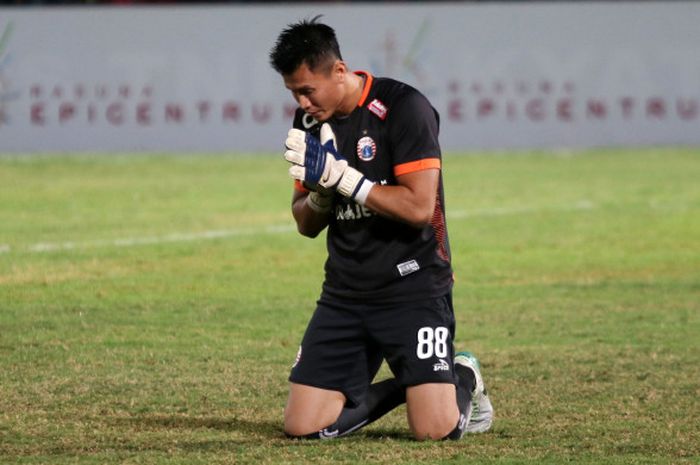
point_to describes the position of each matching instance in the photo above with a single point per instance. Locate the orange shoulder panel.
(418, 165)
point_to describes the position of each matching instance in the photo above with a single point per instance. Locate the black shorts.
(345, 343)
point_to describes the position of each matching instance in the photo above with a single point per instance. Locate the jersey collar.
(366, 88)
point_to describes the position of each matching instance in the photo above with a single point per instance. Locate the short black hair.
(306, 41)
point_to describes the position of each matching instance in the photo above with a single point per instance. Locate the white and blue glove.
(317, 162)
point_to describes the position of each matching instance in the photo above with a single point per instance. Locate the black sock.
(466, 382)
(382, 398)
(458, 432)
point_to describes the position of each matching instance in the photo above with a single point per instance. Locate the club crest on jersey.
(366, 149)
(378, 108)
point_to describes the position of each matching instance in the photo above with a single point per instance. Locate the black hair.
(306, 41)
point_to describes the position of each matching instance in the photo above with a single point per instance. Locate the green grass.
(578, 285)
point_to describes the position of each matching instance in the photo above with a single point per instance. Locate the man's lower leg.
(382, 398)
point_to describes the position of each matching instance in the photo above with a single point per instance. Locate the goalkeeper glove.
(318, 162)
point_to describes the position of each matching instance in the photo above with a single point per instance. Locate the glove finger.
(297, 172)
(327, 135)
(296, 140)
(295, 157)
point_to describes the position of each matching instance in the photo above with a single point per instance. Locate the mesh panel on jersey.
(438, 224)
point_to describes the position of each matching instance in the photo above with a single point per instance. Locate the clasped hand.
(315, 162)
(318, 164)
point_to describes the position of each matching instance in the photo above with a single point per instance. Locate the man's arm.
(412, 201)
(310, 222)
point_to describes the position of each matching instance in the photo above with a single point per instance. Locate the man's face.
(320, 92)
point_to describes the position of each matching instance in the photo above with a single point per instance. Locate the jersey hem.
(375, 297)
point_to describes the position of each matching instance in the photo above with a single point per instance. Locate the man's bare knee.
(311, 409)
(295, 426)
(435, 431)
(299, 425)
(432, 410)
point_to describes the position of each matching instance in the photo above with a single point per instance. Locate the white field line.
(272, 229)
(150, 240)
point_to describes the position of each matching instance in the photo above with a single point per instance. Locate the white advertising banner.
(500, 75)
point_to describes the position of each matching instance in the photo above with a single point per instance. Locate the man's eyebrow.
(305, 87)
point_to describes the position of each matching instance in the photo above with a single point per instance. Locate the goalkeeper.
(366, 161)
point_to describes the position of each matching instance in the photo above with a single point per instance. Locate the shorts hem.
(348, 397)
(434, 381)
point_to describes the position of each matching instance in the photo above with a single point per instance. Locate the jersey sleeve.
(413, 130)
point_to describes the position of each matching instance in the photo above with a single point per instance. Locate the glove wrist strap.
(363, 191)
(353, 184)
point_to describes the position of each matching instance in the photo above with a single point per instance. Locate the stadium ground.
(151, 306)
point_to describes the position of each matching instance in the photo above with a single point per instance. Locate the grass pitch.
(151, 306)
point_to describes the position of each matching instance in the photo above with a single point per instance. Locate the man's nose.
(304, 102)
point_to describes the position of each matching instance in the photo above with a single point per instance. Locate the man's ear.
(339, 70)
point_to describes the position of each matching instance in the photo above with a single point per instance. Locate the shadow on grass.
(395, 434)
(157, 422)
(134, 434)
(271, 429)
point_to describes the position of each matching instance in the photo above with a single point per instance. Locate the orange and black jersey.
(393, 131)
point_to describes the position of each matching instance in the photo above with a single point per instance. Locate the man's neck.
(355, 85)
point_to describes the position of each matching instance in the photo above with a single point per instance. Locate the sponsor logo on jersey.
(441, 366)
(378, 108)
(353, 211)
(408, 267)
(366, 149)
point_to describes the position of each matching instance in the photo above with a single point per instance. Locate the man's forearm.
(309, 222)
(412, 201)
